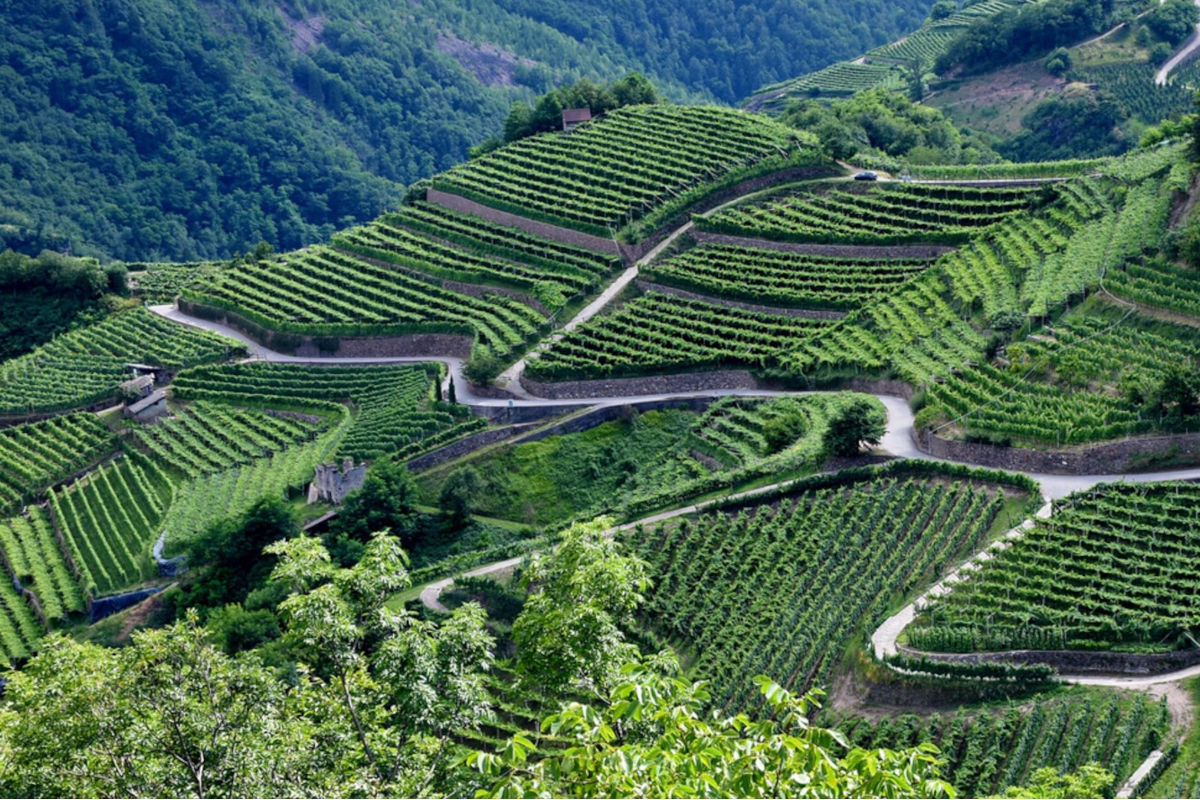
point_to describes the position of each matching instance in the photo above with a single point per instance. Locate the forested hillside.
(148, 129)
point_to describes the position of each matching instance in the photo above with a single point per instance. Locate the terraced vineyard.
(19, 628)
(109, 518)
(635, 159)
(914, 329)
(160, 283)
(888, 213)
(394, 412)
(987, 753)
(738, 440)
(1135, 90)
(197, 502)
(38, 454)
(36, 559)
(885, 66)
(86, 365)
(778, 278)
(321, 291)
(386, 241)
(837, 80)
(513, 244)
(1158, 285)
(924, 46)
(1070, 385)
(657, 332)
(207, 437)
(783, 590)
(1114, 567)
(923, 332)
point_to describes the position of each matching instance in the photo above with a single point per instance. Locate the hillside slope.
(146, 129)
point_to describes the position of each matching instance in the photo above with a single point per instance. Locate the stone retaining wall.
(602, 414)
(712, 380)
(544, 229)
(103, 606)
(828, 250)
(880, 386)
(632, 253)
(651, 384)
(805, 313)
(414, 345)
(629, 252)
(479, 290)
(1071, 661)
(1126, 455)
(463, 446)
(510, 415)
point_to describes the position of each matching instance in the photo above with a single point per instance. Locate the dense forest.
(145, 129)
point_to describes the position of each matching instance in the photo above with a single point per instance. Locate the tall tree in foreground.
(569, 633)
(652, 738)
(370, 709)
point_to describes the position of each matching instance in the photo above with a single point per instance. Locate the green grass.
(551, 480)
(1182, 778)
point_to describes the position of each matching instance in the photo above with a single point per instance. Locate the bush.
(1171, 23)
(460, 493)
(1159, 53)
(483, 366)
(859, 422)
(784, 428)
(1059, 61)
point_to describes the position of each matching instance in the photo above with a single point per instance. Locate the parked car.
(866, 175)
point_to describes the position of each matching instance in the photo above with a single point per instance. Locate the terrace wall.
(651, 384)
(805, 313)
(1126, 455)
(629, 252)
(828, 250)
(409, 345)
(1071, 661)
(544, 229)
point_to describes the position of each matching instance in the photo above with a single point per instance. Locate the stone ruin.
(331, 484)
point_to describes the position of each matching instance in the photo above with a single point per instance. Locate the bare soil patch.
(491, 64)
(997, 101)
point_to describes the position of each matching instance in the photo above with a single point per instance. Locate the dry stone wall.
(413, 345)
(652, 384)
(1126, 455)
(805, 313)
(544, 229)
(1072, 661)
(828, 250)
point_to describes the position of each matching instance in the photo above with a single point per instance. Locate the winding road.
(899, 440)
(1185, 52)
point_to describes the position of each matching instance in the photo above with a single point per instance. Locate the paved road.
(1181, 55)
